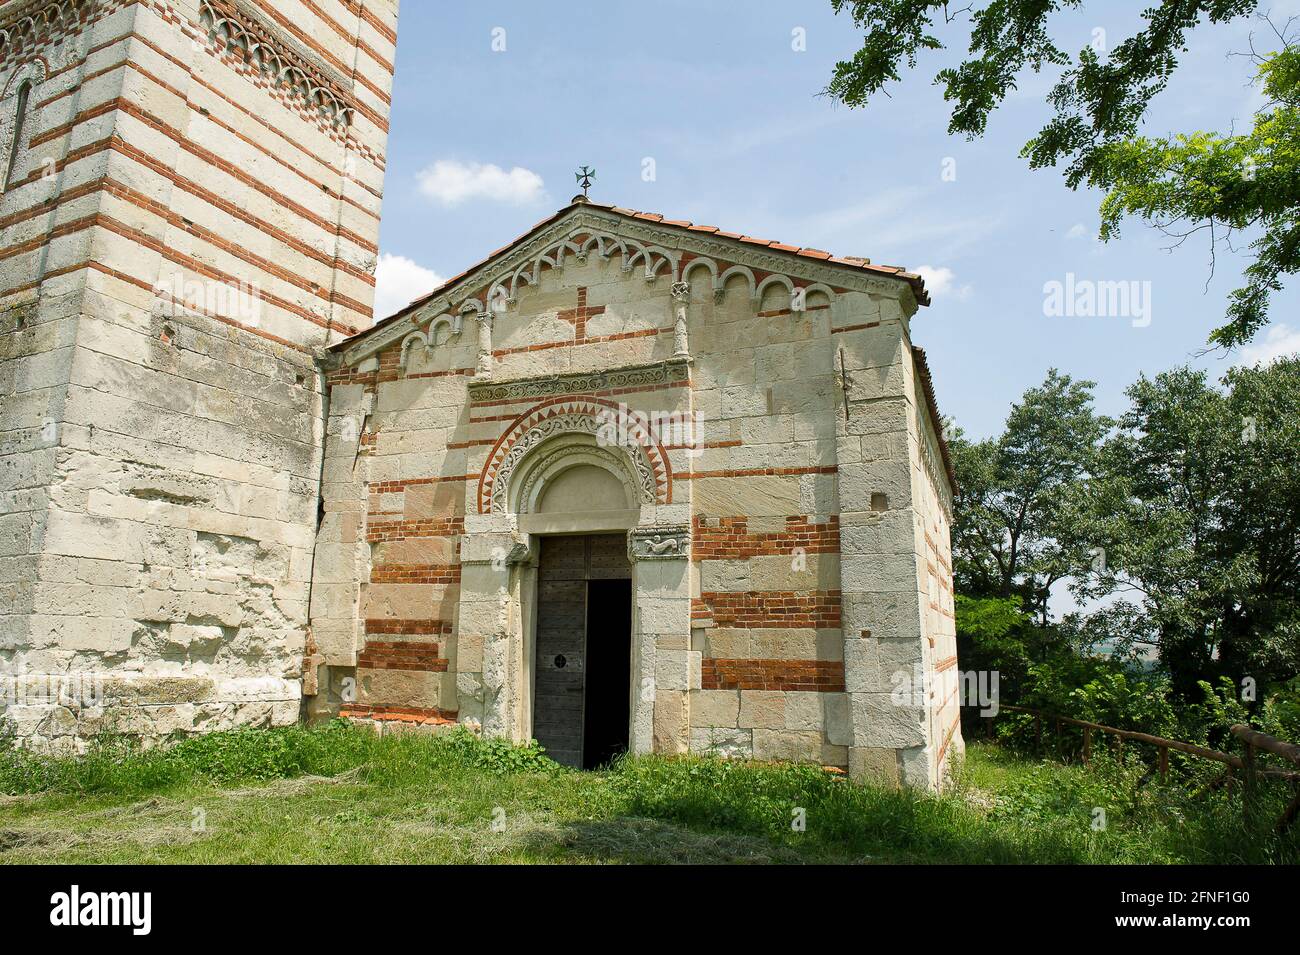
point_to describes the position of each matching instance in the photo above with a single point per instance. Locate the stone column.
(485, 341)
(664, 667)
(681, 293)
(489, 639)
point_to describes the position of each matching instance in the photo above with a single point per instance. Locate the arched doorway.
(577, 551)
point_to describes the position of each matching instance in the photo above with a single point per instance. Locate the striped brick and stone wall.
(190, 215)
(790, 558)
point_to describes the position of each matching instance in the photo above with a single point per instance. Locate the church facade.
(697, 467)
(627, 484)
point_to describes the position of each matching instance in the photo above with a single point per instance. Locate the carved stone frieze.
(659, 543)
(555, 386)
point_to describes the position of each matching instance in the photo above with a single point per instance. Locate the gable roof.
(848, 261)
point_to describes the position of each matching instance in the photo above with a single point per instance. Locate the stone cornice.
(476, 283)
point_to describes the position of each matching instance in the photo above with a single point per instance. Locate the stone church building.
(627, 484)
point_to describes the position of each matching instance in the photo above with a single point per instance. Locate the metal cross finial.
(584, 177)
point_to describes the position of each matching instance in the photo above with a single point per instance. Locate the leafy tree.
(1199, 509)
(1185, 184)
(1021, 511)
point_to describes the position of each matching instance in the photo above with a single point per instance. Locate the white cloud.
(399, 281)
(1077, 231)
(1279, 341)
(941, 282)
(451, 182)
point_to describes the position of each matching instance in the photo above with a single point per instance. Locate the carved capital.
(659, 543)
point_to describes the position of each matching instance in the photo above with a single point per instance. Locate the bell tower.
(190, 213)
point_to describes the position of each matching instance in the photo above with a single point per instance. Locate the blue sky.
(715, 94)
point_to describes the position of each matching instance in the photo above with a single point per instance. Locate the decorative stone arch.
(703, 262)
(604, 244)
(471, 306)
(452, 322)
(31, 29)
(409, 343)
(821, 289)
(231, 34)
(741, 270)
(632, 251)
(610, 429)
(501, 291)
(775, 278)
(541, 260)
(526, 274)
(653, 266)
(561, 249)
(539, 470)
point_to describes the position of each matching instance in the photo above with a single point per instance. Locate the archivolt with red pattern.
(595, 416)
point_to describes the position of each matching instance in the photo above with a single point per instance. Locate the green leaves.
(896, 31)
(1020, 516)
(1184, 516)
(1219, 184)
(1200, 505)
(988, 617)
(1200, 182)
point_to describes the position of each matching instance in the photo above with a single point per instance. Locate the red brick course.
(818, 676)
(818, 609)
(415, 574)
(427, 716)
(379, 531)
(597, 340)
(728, 538)
(401, 655)
(392, 487)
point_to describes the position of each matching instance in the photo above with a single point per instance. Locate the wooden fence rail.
(1251, 773)
(1253, 740)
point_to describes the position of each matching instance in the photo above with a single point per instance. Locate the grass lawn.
(341, 795)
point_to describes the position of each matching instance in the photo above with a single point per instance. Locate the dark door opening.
(583, 664)
(606, 714)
